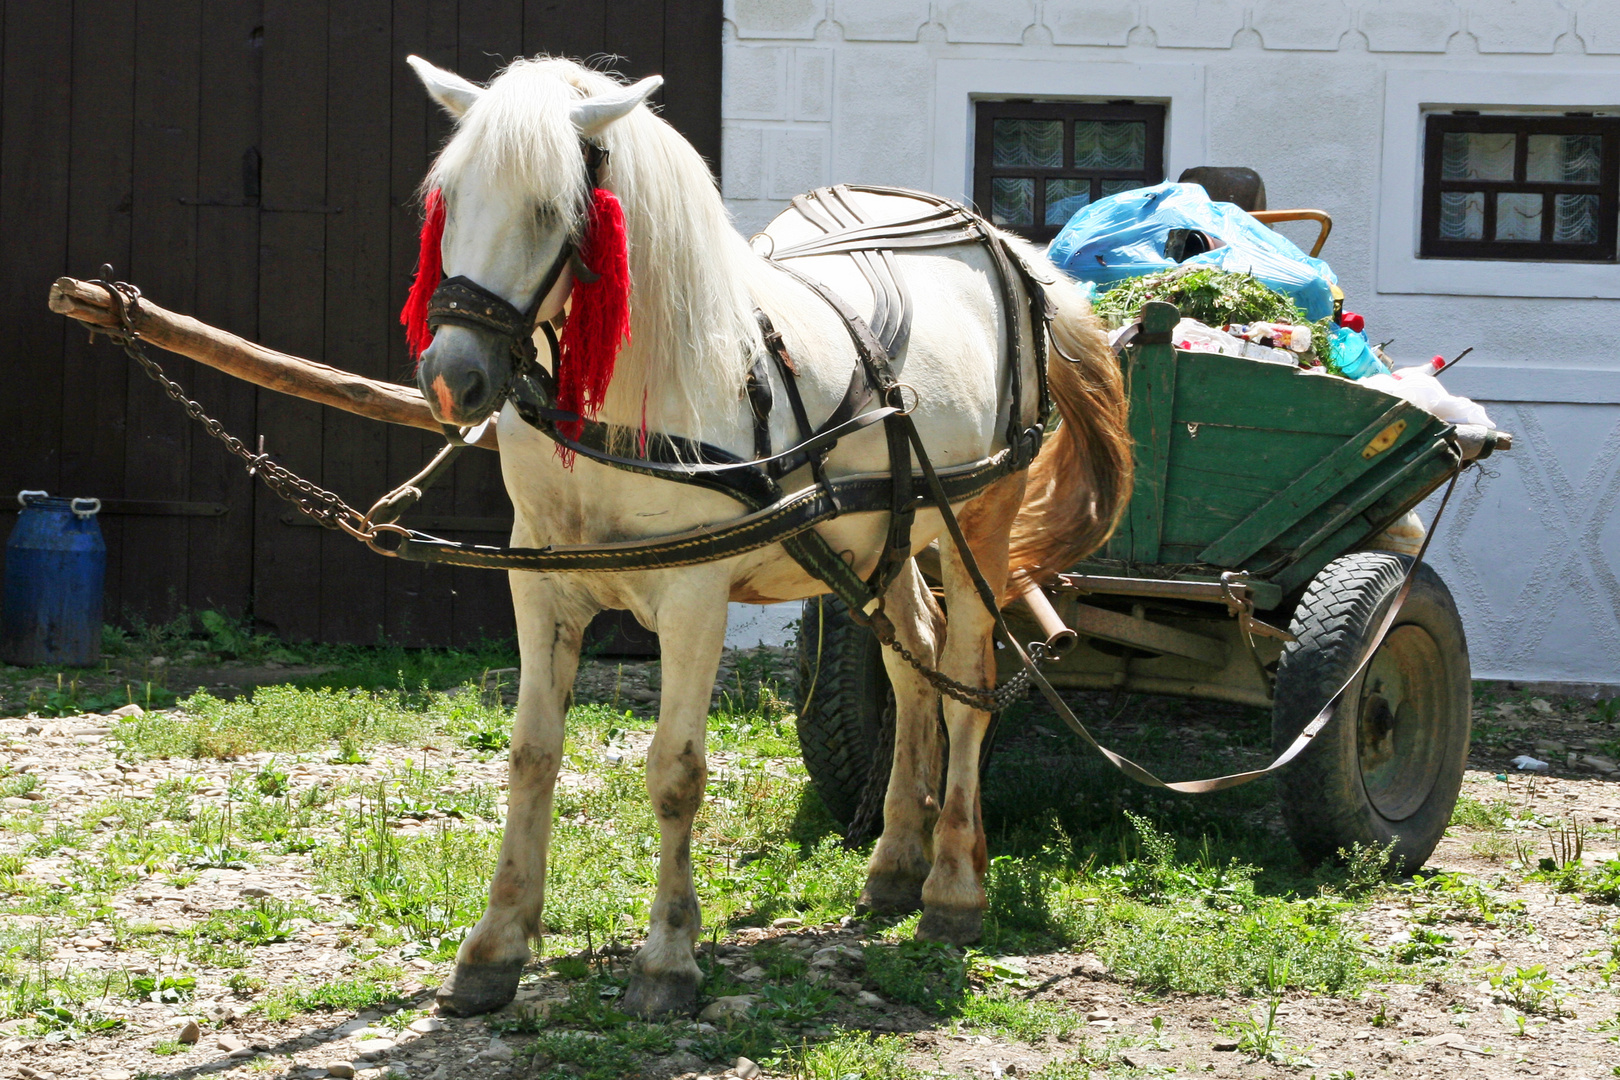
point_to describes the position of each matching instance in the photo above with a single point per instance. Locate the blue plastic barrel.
(56, 563)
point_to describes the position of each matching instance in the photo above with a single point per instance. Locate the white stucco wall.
(1324, 99)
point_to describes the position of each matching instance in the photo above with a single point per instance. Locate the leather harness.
(774, 515)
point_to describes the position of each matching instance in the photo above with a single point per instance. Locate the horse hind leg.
(491, 958)
(902, 858)
(664, 976)
(953, 896)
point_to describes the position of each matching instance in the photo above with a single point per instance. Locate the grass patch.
(851, 1053)
(1015, 1018)
(378, 986)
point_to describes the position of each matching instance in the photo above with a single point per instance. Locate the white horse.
(514, 183)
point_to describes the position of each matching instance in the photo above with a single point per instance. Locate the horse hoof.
(954, 927)
(653, 996)
(889, 894)
(483, 988)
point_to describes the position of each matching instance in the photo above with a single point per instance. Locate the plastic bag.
(1124, 236)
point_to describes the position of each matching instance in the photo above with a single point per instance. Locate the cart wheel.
(841, 725)
(1389, 767)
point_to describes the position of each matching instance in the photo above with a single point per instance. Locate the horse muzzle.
(462, 375)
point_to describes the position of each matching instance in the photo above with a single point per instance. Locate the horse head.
(514, 189)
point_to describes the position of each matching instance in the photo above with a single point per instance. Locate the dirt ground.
(1451, 1024)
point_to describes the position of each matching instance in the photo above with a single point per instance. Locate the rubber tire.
(1324, 799)
(841, 726)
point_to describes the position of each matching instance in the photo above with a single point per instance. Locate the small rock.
(752, 975)
(116, 1074)
(190, 1031)
(255, 891)
(373, 1048)
(681, 1064)
(128, 710)
(1223, 1047)
(786, 924)
(1011, 1069)
(340, 1069)
(497, 1050)
(726, 1009)
(745, 1069)
(352, 1027)
(427, 1025)
(869, 999)
(230, 1043)
(243, 1054)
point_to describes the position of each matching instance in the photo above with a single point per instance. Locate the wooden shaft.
(278, 371)
(1059, 638)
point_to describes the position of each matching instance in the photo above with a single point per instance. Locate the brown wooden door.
(255, 162)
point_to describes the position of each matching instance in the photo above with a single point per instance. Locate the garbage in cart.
(1140, 249)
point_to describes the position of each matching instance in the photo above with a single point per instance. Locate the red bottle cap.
(1351, 321)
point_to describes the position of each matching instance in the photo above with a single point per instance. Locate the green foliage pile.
(1212, 297)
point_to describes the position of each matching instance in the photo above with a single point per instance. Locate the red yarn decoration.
(598, 318)
(429, 272)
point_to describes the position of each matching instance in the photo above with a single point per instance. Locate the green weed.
(1016, 1018)
(375, 987)
(851, 1053)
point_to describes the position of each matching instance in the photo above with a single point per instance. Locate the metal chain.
(974, 697)
(312, 501)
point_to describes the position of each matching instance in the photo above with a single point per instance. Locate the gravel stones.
(339, 1068)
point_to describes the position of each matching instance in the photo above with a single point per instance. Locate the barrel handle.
(22, 496)
(84, 509)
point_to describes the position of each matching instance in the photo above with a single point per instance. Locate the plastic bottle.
(1429, 370)
(1353, 356)
(1282, 335)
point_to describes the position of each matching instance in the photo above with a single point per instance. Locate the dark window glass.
(1542, 188)
(1037, 163)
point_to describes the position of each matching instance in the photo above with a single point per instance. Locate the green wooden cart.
(1251, 566)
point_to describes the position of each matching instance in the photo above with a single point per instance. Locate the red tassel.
(429, 272)
(598, 318)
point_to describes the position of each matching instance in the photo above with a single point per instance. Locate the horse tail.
(1081, 480)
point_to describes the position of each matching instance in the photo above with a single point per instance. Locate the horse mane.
(692, 329)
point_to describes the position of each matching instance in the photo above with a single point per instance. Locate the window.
(1537, 188)
(1036, 163)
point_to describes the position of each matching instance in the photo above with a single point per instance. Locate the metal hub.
(1400, 726)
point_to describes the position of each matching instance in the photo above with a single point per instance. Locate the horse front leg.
(551, 623)
(953, 896)
(664, 976)
(902, 858)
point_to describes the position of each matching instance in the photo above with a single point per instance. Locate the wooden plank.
(1233, 391)
(34, 169)
(287, 580)
(101, 136)
(163, 258)
(490, 36)
(357, 301)
(635, 31)
(574, 28)
(1153, 395)
(489, 32)
(1313, 487)
(1105, 625)
(691, 69)
(221, 548)
(417, 601)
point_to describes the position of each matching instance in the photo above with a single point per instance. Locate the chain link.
(974, 697)
(312, 501)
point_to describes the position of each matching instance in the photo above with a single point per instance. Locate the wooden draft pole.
(278, 371)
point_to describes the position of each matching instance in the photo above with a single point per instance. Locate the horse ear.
(593, 114)
(446, 87)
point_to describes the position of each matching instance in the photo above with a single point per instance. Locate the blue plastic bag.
(1123, 236)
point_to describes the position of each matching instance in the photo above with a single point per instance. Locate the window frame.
(987, 112)
(1522, 126)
